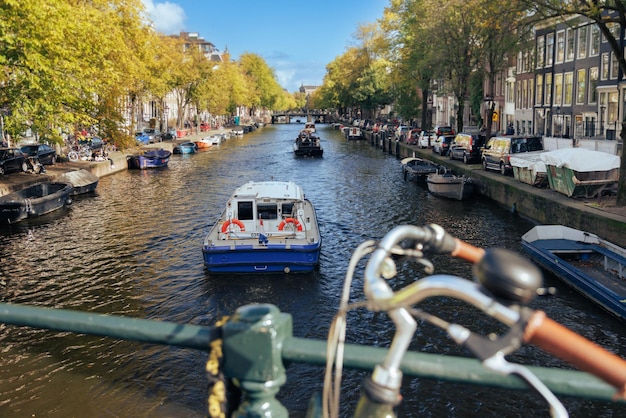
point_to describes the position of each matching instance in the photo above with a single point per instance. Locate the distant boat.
(450, 186)
(185, 148)
(267, 227)
(204, 143)
(353, 132)
(593, 266)
(417, 168)
(83, 181)
(307, 144)
(33, 201)
(155, 158)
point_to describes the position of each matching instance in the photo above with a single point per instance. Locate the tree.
(605, 14)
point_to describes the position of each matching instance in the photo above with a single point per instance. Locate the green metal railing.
(258, 341)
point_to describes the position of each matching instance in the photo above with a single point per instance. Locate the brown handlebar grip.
(577, 350)
(467, 251)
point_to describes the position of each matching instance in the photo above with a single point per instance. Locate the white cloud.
(167, 17)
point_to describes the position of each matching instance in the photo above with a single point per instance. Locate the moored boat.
(266, 227)
(34, 200)
(450, 186)
(187, 147)
(204, 143)
(82, 181)
(353, 132)
(155, 158)
(417, 168)
(591, 265)
(307, 144)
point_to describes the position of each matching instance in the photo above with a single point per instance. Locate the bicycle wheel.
(73, 156)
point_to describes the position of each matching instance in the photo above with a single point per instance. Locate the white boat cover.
(581, 159)
(530, 160)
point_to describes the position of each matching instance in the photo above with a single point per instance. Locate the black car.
(47, 155)
(93, 142)
(12, 159)
(467, 147)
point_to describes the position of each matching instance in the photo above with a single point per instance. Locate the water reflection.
(135, 249)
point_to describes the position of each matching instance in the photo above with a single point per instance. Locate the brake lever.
(491, 352)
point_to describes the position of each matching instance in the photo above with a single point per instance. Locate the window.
(548, 100)
(558, 89)
(539, 89)
(530, 93)
(594, 47)
(267, 211)
(569, 47)
(605, 66)
(524, 94)
(287, 209)
(541, 52)
(593, 83)
(614, 66)
(569, 89)
(518, 96)
(614, 29)
(550, 49)
(581, 78)
(244, 211)
(582, 42)
(560, 47)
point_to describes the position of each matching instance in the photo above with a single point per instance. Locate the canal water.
(134, 249)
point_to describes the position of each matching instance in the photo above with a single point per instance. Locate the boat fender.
(224, 396)
(294, 221)
(233, 221)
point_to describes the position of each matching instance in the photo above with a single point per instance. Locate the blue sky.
(296, 38)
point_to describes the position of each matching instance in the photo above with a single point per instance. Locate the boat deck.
(606, 267)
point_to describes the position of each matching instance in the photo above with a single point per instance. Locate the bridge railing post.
(252, 358)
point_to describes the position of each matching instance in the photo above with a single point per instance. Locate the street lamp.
(489, 107)
(166, 112)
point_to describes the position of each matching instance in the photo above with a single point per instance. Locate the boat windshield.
(244, 211)
(267, 210)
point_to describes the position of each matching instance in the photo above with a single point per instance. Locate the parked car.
(402, 133)
(12, 159)
(413, 136)
(169, 135)
(467, 147)
(142, 137)
(46, 154)
(154, 135)
(426, 139)
(497, 153)
(443, 130)
(93, 142)
(442, 144)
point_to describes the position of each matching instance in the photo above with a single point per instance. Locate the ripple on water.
(135, 249)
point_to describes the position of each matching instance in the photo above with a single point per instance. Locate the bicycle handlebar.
(576, 350)
(502, 275)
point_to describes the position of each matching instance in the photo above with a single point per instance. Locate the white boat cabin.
(270, 208)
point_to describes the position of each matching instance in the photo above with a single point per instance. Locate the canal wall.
(542, 205)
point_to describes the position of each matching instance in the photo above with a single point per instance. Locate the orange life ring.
(233, 221)
(290, 221)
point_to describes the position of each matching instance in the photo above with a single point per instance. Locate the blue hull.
(150, 159)
(270, 259)
(606, 296)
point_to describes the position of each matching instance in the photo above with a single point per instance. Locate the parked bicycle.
(506, 283)
(77, 153)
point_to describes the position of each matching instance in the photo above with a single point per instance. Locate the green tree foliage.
(68, 64)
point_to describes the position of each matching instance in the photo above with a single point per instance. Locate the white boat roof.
(581, 159)
(270, 190)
